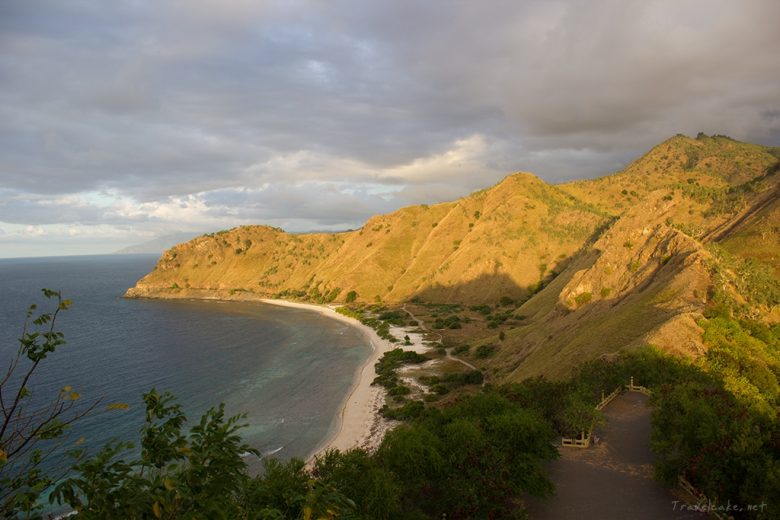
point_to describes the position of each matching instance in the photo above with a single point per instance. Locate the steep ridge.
(495, 242)
(714, 174)
(644, 281)
(641, 282)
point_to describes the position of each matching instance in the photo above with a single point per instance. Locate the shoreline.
(359, 423)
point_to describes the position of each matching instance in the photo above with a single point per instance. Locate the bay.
(287, 369)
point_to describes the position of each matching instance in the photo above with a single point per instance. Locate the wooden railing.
(608, 399)
(701, 498)
(631, 387)
(583, 440)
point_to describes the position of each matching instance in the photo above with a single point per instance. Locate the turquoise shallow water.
(287, 369)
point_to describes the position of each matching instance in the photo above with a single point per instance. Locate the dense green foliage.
(362, 314)
(395, 317)
(753, 281)
(719, 425)
(450, 322)
(485, 351)
(472, 460)
(176, 475)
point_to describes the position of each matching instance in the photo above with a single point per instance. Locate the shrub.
(461, 349)
(583, 298)
(450, 322)
(484, 351)
(409, 410)
(473, 377)
(399, 390)
(482, 309)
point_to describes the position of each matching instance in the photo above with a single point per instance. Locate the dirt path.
(423, 328)
(612, 480)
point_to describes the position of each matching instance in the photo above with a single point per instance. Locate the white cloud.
(34, 231)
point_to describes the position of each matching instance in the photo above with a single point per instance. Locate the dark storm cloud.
(154, 101)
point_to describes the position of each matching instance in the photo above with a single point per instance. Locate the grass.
(564, 346)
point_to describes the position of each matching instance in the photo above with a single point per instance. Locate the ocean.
(287, 369)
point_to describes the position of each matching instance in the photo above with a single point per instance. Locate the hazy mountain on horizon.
(157, 245)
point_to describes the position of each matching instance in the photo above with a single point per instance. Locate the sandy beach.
(359, 423)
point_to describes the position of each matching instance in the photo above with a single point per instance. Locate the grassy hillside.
(703, 167)
(622, 293)
(496, 242)
(755, 233)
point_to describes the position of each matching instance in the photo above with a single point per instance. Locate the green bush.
(583, 298)
(461, 349)
(409, 410)
(390, 362)
(450, 322)
(485, 351)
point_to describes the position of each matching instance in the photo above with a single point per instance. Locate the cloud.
(172, 106)
(34, 231)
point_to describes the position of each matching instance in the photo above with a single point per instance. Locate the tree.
(32, 427)
(176, 475)
(355, 473)
(473, 459)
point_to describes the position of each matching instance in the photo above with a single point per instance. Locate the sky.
(127, 120)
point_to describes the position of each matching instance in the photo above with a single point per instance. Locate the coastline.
(359, 422)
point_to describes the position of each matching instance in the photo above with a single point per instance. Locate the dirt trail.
(613, 479)
(423, 328)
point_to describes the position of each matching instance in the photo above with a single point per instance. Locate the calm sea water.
(287, 369)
